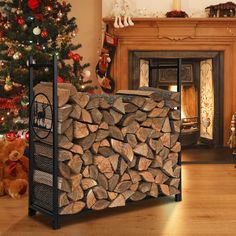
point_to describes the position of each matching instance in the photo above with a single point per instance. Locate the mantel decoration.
(227, 9)
(176, 12)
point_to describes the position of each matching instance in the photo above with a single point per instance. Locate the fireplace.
(202, 90)
(208, 35)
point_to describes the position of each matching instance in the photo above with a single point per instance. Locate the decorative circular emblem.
(41, 116)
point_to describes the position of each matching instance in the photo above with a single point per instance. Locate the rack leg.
(56, 223)
(178, 197)
(31, 212)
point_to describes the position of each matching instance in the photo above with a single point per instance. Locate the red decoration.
(10, 136)
(34, 4)
(44, 34)
(38, 16)
(71, 55)
(9, 103)
(60, 80)
(20, 21)
(27, 136)
(76, 57)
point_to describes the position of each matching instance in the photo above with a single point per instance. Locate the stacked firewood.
(111, 148)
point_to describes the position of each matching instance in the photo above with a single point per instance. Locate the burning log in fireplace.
(112, 149)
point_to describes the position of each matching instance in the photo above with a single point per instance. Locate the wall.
(89, 20)
(163, 6)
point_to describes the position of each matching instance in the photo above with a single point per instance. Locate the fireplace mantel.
(180, 34)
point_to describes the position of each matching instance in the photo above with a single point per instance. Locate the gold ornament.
(8, 84)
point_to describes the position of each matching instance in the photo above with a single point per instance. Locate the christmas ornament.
(60, 14)
(76, 57)
(20, 21)
(24, 27)
(87, 74)
(70, 55)
(7, 25)
(17, 56)
(34, 4)
(27, 136)
(44, 34)
(49, 8)
(30, 19)
(60, 80)
(19, 11)
(24, 101)
(8, 84)
(10, 136)
(37, 31)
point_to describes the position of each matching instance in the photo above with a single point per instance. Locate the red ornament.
(44, 34)
(60, 80)
(34, 4)
(76, 57)
(27, 136)
(20, 21)
(71, 55)
(10, 136)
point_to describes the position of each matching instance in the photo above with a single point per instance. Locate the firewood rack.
(34, 205)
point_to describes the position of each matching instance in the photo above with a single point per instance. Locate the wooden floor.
(208, 208)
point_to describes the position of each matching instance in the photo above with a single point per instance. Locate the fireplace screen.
(206, 100)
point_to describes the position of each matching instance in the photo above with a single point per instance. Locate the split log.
(112, 183)
(86, 172)
(93, 128)
(63, 95)
(135, 177)
(101, 205)
(88, 183)
(76, 113)
(124, 149)
(101, 134)
(106, 151)
(128, 119)
(86, 116)
(130, 108)
(115, 132)
(157, 162)
(105, 143)
(104, 126)
(173, 139)
(72, 208)
(134, 187)
(63, 200)
(116, 116)
(75, 181)
(175, 182)
(123, 167)
(96, 116)
(156, 112)
(81, 99)
(173, 157)
(132, 128)
(147, 176)
(76, 194)
(161, 104)
(165, 139)
(123, 186)
(156, 145)
(167, 168)
(93, 172)
(173, 190)
(87, 142)
(166, 126)
(177, 171)
(138, 101)
(91, 200)
(80, 130)
(164, 188)
(103, 104)
(103, 164)
(161, 177)
(108, 118)
(176, 147)
(87, 158)
(127, 194)
(138, 196)
(144, 163)
(143, 133)
(112, 195)
(125, 177)
(118, 105)
(149, 105)
(102, 181)
(154, 190)
(174, 114)
(69, 133)
(100, 192)
(131, 139)
(175, 126)
(93, 103)
(64, 170)
(114, 161)
(95, 147)
(141, 149)
(140, 116)
(77, 149)
(147, 123)
(119, 201)
(164, 153)
(132, 164)
(145, 187)
(157, 123)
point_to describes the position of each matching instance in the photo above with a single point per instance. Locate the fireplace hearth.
(202, 89)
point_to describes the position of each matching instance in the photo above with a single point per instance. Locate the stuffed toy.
(13, 168)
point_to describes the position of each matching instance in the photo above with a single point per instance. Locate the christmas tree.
(41, 28)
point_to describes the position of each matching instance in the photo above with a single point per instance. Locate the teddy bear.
(14, 168)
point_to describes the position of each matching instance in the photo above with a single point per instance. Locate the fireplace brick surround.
(191, 34)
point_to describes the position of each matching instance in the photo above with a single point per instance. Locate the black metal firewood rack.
(39, 200)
